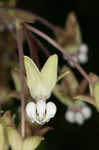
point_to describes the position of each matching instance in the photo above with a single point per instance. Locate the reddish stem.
(41, 34)
(37, 42)
(33, 49)
(21, 61)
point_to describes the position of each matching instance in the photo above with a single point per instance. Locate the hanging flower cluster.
(41, 85)
(78, 113)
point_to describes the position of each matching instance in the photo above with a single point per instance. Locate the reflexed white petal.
(41, 108)
(83, 48)
(79, 118)
(50, 110)
(86, 111)
(70, 116)
(31, 110)
(83, 58)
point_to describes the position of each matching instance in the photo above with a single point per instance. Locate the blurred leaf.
(71, 38)
(6, 120)
(32, 142)
(68, 79)
(94, 79)
(16, 79)
(14, 139)
(62, 96)
(2, 138)
(10, 15)
(85, 98)
(96, 94)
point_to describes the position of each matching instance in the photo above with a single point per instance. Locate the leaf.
(96, 94)
(68, 79)
(62, 97)
(85, 98)
(14, 139)
(3, 139)
(16, 79)
(6, 120)
(94, 79)
(31, 143)
(49, 72)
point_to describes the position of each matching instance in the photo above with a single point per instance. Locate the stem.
(39, 44)
(36, 17)
(41, 34)
(21, 61)
(32, 47)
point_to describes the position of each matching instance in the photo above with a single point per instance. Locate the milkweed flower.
(78, 113)
(41, 84)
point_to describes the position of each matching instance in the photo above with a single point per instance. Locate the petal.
(79, 118)
(70, 116)
(41, 107)
(86, 111)
(50, 110)
(83, 58)
(83, 48)
(31, 110)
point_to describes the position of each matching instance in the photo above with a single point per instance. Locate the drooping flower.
(41, 84)
(77, 111)
(71, 40)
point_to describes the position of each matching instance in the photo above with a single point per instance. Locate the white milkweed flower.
(41, 84)
(78, 113)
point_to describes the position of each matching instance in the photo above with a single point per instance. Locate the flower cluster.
(78, 113)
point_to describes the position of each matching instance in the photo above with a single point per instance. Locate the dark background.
(65, 135)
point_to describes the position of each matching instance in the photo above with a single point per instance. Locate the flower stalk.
(21, 62)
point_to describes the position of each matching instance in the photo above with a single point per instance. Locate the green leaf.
(62, 97)
(96, 94)
(3, 139)
(85, 98)
(14, 139)
(31, 143)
